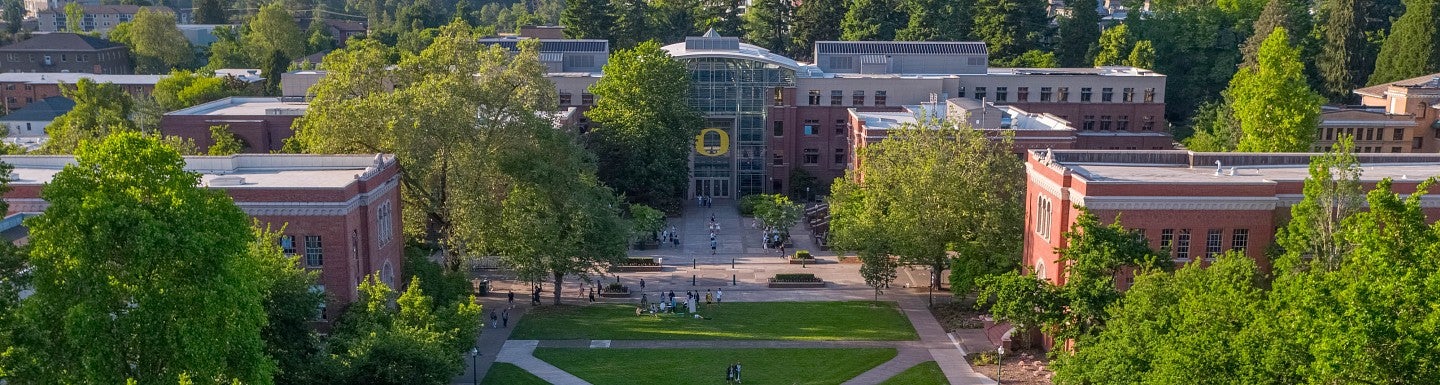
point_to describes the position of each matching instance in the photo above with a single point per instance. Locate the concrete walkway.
(522, 354)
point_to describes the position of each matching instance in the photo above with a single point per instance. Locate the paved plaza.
(741, 266)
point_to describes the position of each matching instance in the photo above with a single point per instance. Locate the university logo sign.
(712, 142)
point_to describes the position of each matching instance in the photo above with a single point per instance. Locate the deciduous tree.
(155, 42)
(388, 340)
(100, 109)
(1273, 102)
(225, 142)
(1114, 46)
(74, 14)
(209, 12)
(273, 29)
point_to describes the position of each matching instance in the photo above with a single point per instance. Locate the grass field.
(796, 321)
(927, 373)
(707, 366)
(508, 374)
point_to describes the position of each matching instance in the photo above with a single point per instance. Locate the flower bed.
(634, 264)
(796, 281)
(615, 290)
(802, 257)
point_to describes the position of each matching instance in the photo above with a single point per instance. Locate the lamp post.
(807, 195)
(474, 368)
(999, 363)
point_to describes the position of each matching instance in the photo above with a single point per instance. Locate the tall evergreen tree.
(14, 12)
(673, 20)
(1273, 102)
(209, 12)
(631, 24)
(1411, 49)
(1009, 27)
(767, 23)
(1346, 57)
(1293, 15)
(868, 20)
(1078, 32)
(934, 20)
(817, 20)
(723, 16)
(587, 19)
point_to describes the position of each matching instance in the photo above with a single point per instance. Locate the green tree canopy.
(871, 20)
(1079, 31)
(1009, 27)
(155, 42)
(100, 109)
(74, 14)
(1410, 50)
(388, 340)
(273, 29)
(184, 89)
(225, 142)
(1273, 102)
(587, 19)
(935, 20)
(1114, 46)
(816, 20)
(767, 24)
(209, 12)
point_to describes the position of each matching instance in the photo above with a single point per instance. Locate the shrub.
(803, 254)
(615, 287)
(983, 358)
(638, 261)
(796, 278)
(747, 204)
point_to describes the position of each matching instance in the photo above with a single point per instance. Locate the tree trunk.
(935, 270)
(559, 279)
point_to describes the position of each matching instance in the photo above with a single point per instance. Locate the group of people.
(667, 302)
(703, 201)
(732, 373)
(714, 229)
(669, 236)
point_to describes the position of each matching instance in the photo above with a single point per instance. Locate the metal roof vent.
(228, 181)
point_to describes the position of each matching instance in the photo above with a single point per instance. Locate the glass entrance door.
(713, 187)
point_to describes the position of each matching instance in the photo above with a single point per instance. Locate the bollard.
(732, 280)
(692, 280)
(694, 263)
(732, 263)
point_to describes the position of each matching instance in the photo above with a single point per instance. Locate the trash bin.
(484, 287)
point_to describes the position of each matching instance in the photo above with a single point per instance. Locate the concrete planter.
(636, 268)
(796, 285)
(804, 261)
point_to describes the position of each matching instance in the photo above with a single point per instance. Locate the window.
(980, 93)
(778, 159)
(1149, 95)
(1123, 124)
(1418, 143)
(565, 98)
(879, 98)
(1088, 124)
(837, 97)
(812, 156)
(1392, 149)
(319, 309)
(810, 125)
(859, 98)
(1022, 94)
(287, 245)
(1107, 94)
(1148, 124)
(841, 62)
(314, 256)
(777, 185)
(840, 126)
(1399, 134)
(779, 99)
(1044, 94)
(1064, 94)
(1167, 242)
(1239, 239)
(386, 222)
(814, 97)
(1212, 243)
(1104, 122)
(1043, 216)
(1085, 95)
(961, 94)
(1002, 94)
(13, 57)
(587, 99)
(1127, 95)
(779, 128)
(1369, 134)
(1040, 269)
(840, 156)
(1182, 245)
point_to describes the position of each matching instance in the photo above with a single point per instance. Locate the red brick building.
(262, 123)
(340, 213)
(1395, 117)
(19, 89)
(1189, 205)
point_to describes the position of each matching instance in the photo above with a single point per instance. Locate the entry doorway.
(712, 187)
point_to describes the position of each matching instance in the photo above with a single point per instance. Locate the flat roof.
(266, 171)
(73, 77)
(246, 106)
(1188, 167)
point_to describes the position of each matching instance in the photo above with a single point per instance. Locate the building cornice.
(1183, 203)
(264, 208)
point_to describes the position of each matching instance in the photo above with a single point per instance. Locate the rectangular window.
(1044, 94)
(1149, 95)
(840, 62)
(1104, 122)
(1182, 245)
(287, 245)
(1399, 134)
(840, 126)
(1107, 94)
(1369, 134)
(779, 99)
(840, 156)
(837, 97)
(565, 98)
(1212, 243)
(1148, 124)
(814, 97)
(1239, 239)
(1123, 124)
(879, 98)
(1088, 124)
(1064, 95)
(1022, 94)
(1395, 149)
(1085, 95)
(1127, 95)
(1002, 94)
(812, 156)
(810, 126)
(779, 128)
(1329, 133)
(1419, 142)
(314, 256)
(1167, 242)
(859, 99)
(778, 159)
(980, 93)
(961, 94)
(587, 99)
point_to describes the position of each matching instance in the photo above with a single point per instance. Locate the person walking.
(708, 297)
(493, 325)
(713, 245)
(592, 295)
(505, 319)
(718, 293)
(511, 298)
(642, 284)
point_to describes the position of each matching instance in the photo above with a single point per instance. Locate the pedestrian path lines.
(522, 354)
(599, 344)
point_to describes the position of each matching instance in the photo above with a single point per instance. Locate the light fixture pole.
(474, 368)
(999, 364)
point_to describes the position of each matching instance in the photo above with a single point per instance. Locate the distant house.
(343, 30)
(202, 35)
(26, 126)
(18, 90)
(34, 7)
(98, 18)
(66, 52)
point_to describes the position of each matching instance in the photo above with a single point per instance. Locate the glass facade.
(733, 94)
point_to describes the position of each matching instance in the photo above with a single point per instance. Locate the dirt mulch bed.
(1029, 367)
(960, 314)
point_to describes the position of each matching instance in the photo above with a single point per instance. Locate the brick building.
(1188, 205)
(19, 89)
(66, 52)
(1396, 117)
(98, 18)
(340, 213)
(262, 123)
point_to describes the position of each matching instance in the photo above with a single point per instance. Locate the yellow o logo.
(720, 145)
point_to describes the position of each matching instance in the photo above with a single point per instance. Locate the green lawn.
(927, 373)
(707, 366)
(508, 374)
(805, 321)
